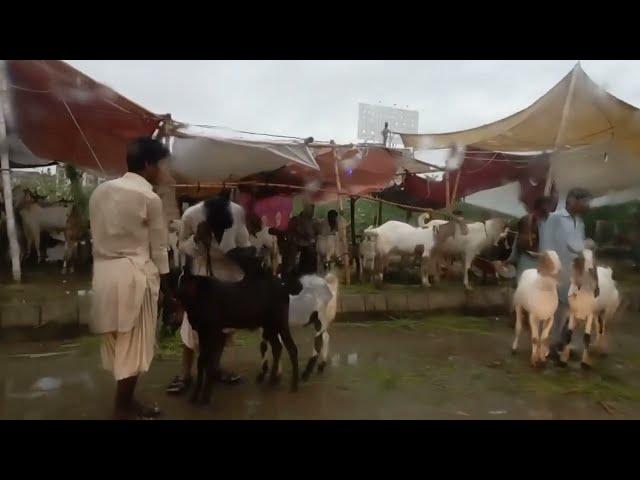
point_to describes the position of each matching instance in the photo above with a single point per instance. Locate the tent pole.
(455, 186)
(563, 122)
(379, 219)
(447, 200)
(354, 246)
(347, 266)
(14, 248)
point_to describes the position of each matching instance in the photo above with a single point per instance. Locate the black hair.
(541, 201)
(218, 215)
(579, 194)
(145, 151)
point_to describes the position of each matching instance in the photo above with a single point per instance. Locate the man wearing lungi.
(129, 258)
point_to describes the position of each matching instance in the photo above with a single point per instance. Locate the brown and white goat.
(593, 299)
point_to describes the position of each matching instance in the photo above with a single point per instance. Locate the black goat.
(259, 300)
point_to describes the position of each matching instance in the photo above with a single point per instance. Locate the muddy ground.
(423, 367)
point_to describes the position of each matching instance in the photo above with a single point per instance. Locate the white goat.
(367, 252)
(469, 245)
(36, 219)
(267, 247)
(593, 297)
(395, 237)
(537, 296)
(315, 305)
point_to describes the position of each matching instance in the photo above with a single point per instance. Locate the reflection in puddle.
(352, 359)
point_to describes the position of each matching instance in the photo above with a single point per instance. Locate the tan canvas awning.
(594, 136)
(575, 113)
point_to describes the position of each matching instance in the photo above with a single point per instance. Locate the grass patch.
(170, 347)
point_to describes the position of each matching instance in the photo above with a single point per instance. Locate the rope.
(323, 190)
(95, 157)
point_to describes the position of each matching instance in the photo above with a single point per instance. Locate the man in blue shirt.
(564, 232)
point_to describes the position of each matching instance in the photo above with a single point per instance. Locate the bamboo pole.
(455, 186)
(347, 266)
(12, 233)
(352, 201)
(447, 198)
(563, 121)
(379, 220)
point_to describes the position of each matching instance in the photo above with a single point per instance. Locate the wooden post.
(379, 221)
(354, 246)
(14, 248)
(347, 261)
(448, 198)
(455, 187)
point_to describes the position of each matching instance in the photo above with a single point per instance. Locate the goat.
(315, 305)
(450, 239)
(367, 252)
(331, 243)
(593, 298)
(537, 295)
(213, 305)
(265, 243)
(37, 218)
(404, 239)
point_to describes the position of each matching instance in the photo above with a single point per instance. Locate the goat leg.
(276, 351)
(567, 334)
(264, 367)
(292, 350)
(213, 366)
(324, 352)
(586, 358)
(317, 347)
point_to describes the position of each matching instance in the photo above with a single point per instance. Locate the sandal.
(179, 385)
(145, 413)
(229, 378)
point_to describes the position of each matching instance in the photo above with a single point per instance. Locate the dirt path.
(439, 367)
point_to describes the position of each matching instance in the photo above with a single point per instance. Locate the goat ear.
(545, 265)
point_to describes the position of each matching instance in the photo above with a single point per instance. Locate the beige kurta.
(130, 253)
(236, 236)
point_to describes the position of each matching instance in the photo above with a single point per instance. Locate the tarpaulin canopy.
(63, 115)
(577, 119)
(480, 170)
(361, 170)
(218, 154)
(20, 156)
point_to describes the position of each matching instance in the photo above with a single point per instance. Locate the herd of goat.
(282, 298)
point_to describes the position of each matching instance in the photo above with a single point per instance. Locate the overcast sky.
(320, 98)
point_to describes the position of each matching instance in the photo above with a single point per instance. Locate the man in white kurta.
(130, 254)
(191, 244)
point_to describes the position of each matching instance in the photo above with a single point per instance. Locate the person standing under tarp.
(528, 239)
(130, 266)
(564, 233)
(208, 230)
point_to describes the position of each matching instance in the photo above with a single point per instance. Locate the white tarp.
(503, 199)
(20, 156)
(217, 154)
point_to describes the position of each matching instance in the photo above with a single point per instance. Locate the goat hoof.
(585, 366)
(321, 367)
(561, 363)
(514, 351)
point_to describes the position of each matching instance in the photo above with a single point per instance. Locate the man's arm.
(158, 236)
